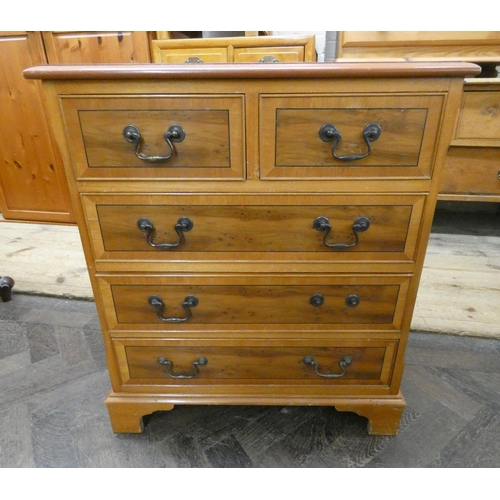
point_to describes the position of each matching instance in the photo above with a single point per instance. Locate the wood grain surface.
(458, 293)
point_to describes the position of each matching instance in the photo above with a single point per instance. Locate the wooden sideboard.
(472, 169)
(33, 184)
(255, 234)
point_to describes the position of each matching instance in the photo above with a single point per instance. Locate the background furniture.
(240, 250)
(472, 169)
(246, 49)
(33, 185)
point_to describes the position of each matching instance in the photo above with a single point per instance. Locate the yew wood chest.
(255, 234)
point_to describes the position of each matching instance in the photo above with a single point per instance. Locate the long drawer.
(160, 363)
(215, 303)
(348, 136)
(259, 227)
(157, 137)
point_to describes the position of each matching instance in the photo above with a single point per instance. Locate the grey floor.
(53, 381)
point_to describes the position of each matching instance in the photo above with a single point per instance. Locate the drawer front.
(196, 137)
(480, 118)
(215, 302)
(471, 171)
(196, 55)
(269, 54)
(325, 137)
(160, 362)
(259, 226)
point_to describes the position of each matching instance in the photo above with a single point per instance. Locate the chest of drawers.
(255, 233)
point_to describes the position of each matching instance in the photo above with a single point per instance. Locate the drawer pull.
(361, 224)
(317, 300)
(183, 224)
(194, 60)
(189, 302)
(201, 361)
(371, 133)
(345, 361)
(174, 134)
(269, 59)
(352, 300)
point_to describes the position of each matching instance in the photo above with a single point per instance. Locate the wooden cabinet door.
(72, 47)
(32, 180)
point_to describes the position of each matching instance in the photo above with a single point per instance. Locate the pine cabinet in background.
(32, 181)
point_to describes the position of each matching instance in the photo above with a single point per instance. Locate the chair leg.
(6, 285)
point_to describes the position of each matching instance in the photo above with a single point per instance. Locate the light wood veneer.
(248, 49)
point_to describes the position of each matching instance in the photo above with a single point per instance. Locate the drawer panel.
(186, 55)
(266, 227)
(269, 54)
(349, 363)
(480, 117)
(292, 146)
(211, 129)
(211, 302)
(471, 171)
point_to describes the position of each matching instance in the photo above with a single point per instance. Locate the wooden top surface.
(249, 71)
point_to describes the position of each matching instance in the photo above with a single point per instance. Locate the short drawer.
(269, 54)
(479, 120)
(167, 363)
(167, 303)
(191, 55)
(157, 137)
(348, 136)
(262, 227)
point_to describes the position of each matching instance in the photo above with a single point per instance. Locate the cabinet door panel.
(32, 179)
(76, 47)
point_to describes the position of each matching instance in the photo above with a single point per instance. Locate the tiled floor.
(53, 381)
